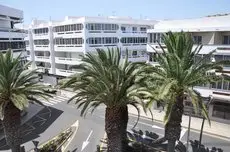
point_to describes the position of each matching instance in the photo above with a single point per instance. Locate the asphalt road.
(91, 129)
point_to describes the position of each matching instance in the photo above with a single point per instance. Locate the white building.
(56, 45)
(214, 33)
(10, 36)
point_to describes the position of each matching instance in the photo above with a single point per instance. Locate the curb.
(195, 130)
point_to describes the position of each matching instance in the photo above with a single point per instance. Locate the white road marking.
(183, 131)
(85, 143)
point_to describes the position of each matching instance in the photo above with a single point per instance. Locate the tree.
(18, 86)
(108, 79)
(180, 69)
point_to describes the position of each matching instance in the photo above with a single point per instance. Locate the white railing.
(42, 57)
(68, 59)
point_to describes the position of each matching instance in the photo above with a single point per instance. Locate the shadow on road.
(36, 125)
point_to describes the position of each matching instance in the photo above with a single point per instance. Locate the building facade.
(213, 32)
(56, 45)
(10, 36)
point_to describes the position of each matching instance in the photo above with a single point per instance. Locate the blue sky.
(154, 9)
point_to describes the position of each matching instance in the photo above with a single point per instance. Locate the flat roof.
(203, 24)
(12, 12)
(99, 19)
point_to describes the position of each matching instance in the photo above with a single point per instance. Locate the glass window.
(143, 29)
(134, 53)
(218, 58)
(226, 39)
(123, 29)
(62, 28)
(225, 85)
(197, 39)
(134, 29)
(219, 85)
(213, 85)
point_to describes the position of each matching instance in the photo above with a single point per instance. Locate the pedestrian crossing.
(55, 100)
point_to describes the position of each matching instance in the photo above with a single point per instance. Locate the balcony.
(65, 73)
(69, 34)
(42, 58)
(71, 61)
(41, 47)
(12, 34)
(41, 36)
(68, 48)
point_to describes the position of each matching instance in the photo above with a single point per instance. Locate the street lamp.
(202, 126)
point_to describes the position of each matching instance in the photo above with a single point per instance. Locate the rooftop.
(219, 22)
(98, 19)
(12, 12)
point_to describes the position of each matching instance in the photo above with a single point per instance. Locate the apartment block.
(54, 46)
(213, 32)
(12, 37)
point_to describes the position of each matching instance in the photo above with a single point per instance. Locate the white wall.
(207, 37)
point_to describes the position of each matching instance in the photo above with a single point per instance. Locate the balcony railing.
(42, 57)
(68, 59)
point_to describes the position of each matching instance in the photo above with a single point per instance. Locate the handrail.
(69, 59)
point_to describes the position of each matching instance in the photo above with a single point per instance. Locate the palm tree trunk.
(116, 119)
(171, 146)
(173, 126)
(11, 124)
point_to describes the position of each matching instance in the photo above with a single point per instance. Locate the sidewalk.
(216, 128)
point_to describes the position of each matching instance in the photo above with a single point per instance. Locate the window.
(226, 39)
(41, 31)
(68, 41)
(197, 39)
(134, 53)
(66, 28)
(12, 45)
(143, 29)
(123, 29)
(98, 26)
(102, 40)
(221, 110)
(41, 42)
(225, 85)
(136, 40)
(134, 29)
(218, 58)
(155, 38)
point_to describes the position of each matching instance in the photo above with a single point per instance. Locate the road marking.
(76, 124)
(183, 131)
(157, 127)
(86, 142)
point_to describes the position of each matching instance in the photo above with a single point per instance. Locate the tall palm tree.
(180, 69)
(108, 79)
(18, 86)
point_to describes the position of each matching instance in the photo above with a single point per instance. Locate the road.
(91, 128)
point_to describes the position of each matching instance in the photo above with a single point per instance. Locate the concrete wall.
(218, 38)
(207, 37)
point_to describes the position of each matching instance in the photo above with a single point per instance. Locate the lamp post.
(202, 125)
(189, 124)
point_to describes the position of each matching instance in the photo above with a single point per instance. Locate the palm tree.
(108, 79)
(18, 86)
(180, 69)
